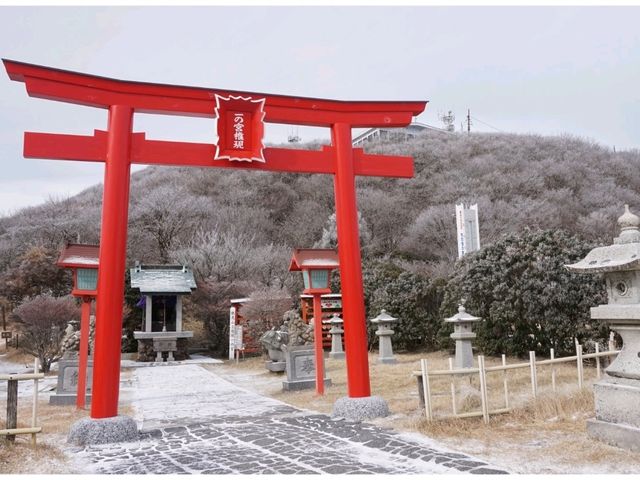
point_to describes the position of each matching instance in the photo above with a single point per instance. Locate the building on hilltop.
(381, 133)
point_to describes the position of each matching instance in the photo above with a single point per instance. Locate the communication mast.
(448, 119)
(294, 137)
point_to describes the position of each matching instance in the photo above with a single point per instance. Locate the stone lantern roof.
(624, 254)
(383, 318)
(462, 316)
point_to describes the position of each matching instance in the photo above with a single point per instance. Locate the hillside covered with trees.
(237, 228)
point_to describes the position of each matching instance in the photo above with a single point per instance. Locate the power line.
(490, 126)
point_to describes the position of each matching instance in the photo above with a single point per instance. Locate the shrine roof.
(151, 279)
(314, 258)
(79, 255)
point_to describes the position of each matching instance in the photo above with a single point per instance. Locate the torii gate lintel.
(53, 146)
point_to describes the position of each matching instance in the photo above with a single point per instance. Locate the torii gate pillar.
(355, 334)
(113, 255)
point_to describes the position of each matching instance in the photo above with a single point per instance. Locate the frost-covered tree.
(329, 237)
(265, 309)
(35, 274)
(42, 321)
(167, 214)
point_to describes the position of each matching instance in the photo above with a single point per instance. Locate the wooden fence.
(425, 376)
(12, 405)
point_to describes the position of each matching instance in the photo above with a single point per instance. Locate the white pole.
(553, 371)
(148, 313)
(612, 343)
(34, 413)
(579, 361)
(426, 390)
(597, 360)
(534, 380)
(453, 388)
(483, 389)
(504, 380)
(178, 313)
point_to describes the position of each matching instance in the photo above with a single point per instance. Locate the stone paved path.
(194, 421)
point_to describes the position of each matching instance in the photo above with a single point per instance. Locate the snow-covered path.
(194, 421)
(169, 396)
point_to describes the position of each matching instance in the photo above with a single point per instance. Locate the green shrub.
(526, 297)
(410, 297)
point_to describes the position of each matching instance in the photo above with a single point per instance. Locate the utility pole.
(4, 329)
(469, 120)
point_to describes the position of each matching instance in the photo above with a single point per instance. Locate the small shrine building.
(161, 288)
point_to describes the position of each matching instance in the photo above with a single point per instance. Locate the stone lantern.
(463, 334)
(617, 393)
(336, 336)
(384, 332)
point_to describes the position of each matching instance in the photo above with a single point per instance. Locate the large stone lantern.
(463, 334)
(617, 393)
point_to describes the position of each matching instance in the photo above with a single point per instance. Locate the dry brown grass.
(47, 457)
(21, 458)
(17, 356)
(399, 387)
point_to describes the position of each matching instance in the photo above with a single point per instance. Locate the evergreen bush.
(526, 297)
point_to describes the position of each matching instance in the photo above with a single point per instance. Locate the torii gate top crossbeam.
(90, 90)
(95, 91)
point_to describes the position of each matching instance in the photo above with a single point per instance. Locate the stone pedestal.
(147, 353)
(67, 388)
(301, 369)
(275, 366)
(360, 408)
(617, 419)
(93, 431)
(617, 393)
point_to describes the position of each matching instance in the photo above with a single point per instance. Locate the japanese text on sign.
(238, 134)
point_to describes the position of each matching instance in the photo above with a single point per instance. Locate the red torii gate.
(119, 147)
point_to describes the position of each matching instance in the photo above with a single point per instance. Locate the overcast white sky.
(544, 70)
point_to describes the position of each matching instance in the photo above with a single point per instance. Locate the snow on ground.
(194, 360)
(187, 393)
(194, 421)
(25, 387)
(7, 366)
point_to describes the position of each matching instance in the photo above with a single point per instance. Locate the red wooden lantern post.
(83, 261)
(240, 117)
(316, 265)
